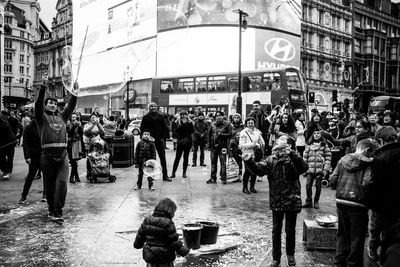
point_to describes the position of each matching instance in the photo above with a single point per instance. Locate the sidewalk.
(101, 221)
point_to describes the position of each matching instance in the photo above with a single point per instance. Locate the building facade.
(326, 50)
(21, 29)
(376, 50)
(1, 53)
(49, 51)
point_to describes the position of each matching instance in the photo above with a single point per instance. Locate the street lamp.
(128, 79)
(242, 25)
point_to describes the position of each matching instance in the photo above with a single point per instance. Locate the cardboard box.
(319, 237)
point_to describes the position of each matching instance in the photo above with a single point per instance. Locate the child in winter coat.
(158, 238)
(318, 157)
(145, 150)
(283, 168)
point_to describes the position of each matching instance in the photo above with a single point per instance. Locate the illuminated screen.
(277, 14)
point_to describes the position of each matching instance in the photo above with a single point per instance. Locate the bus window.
(201, 84)
(293, 81)
(255, 83)
(167, 86)
(233, 84)
(216, 83)
(272, 81)
(185, 85)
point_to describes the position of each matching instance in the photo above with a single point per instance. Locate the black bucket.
(192, 235)
(209, 233)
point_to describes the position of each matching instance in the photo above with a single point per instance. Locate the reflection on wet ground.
(102, 220)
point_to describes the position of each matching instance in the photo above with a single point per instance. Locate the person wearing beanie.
(218, 138)
(201, 128)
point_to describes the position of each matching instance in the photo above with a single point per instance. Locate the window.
(167, 86)
(393, 52)
(201, 84)
(21, 58)
(357, 46)
(8, 56)
(376, 45)
(185, 85)
(8, 20)
(27, 71)
(216, 83)
(22, 46)
(368, 45)
(21, 34)
(7, 43)
(272, 81)
(7, 68)
(27, 48)
(21, 80)
(21, 70)
(27, 59)
(357, 21)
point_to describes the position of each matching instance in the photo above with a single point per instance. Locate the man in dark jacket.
(154, 123)
(351, 175)
(54, 161)
(32, 151)
(383, 194)
(17, 129)
(201, 128)
(7, 146)
(283, 168)
(261, 122)
(218, 140)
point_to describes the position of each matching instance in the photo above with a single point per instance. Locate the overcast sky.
(48, 11)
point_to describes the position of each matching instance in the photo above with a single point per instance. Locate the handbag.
(258, 152)
(232, 170)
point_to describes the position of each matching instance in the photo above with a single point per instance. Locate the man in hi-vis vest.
(54, 161)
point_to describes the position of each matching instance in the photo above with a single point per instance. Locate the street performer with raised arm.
(54, 161)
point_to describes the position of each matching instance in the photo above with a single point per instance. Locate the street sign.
(132, 95)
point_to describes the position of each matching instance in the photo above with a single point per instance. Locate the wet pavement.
(101, 220)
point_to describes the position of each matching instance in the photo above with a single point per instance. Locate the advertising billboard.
(119, 38)
(116, 40)
(272, 14)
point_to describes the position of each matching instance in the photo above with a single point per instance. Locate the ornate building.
(376, 50)
(49, 49)
(326, 49)
(20, 29)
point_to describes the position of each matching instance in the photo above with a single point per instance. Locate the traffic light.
(339, 106)
(311, 97)
(334, 96)
(245, 84)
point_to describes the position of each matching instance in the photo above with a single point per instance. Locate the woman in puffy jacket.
(318, 157)
(250, 140)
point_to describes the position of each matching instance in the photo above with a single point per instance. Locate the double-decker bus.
(218, 91)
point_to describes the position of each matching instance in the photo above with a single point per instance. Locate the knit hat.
(237, 115)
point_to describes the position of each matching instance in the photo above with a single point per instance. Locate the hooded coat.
(159, 240)
(283, 172)
(318, 157)
(350, 177)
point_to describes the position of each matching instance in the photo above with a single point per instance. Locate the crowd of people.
(358, 155)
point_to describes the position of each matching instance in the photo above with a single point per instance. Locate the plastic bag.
(232, 170)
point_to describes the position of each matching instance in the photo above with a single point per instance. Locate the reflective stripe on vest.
(54, 145)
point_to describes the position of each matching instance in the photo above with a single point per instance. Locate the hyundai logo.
(280, 49)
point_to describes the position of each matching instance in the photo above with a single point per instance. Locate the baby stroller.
(98, 162)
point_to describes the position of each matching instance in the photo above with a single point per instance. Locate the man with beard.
(261, 122)
(218, 139)
(154, 123)
(199, 138)
(54, 161)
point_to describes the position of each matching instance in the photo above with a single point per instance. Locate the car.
(134, 127)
